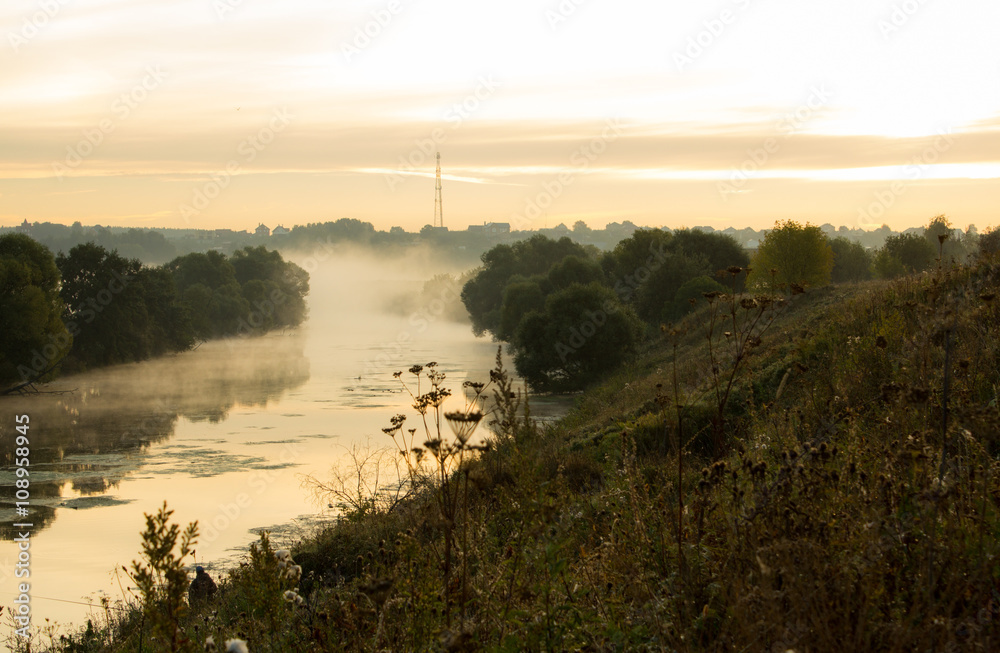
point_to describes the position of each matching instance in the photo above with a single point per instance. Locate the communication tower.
(438, 208)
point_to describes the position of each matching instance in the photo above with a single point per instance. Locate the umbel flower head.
(396, 423)
(432, 399)
(463, 424)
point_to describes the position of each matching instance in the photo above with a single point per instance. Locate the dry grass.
(846, 496)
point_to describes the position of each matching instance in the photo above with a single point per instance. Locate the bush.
(583, 333)
(793, 254)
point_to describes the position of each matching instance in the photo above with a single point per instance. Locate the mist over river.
(224, 434)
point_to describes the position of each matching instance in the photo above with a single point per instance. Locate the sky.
(229, 113)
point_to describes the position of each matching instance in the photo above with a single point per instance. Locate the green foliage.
(148, 245)
(93, 307)
(989, 243)
(483, 294)
(210, 292)
(259, 593)
(30, 309)
(276, 288)
(949, 244)
(524, 294)
(664, 280)
(938, 230)
(118, 310)
(649, 267)
(345, 229)
(904, 254)
(161, 579)
(254, 291)
(583, 333)
(519, 299)
(635, 253)
(574, 269)
(440, 291)
(851, 261)
(688, 296)
(720, 251)
(796, 254)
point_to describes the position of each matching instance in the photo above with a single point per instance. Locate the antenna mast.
(438, 208)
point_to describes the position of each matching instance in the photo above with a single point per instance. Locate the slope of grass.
(817, 474)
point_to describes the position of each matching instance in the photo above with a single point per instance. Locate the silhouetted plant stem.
(680, 464)
(465, 545)
(944, 402)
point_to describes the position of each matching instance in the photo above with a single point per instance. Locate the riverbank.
(813, 472)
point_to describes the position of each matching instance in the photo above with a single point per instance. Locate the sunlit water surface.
(224, 434)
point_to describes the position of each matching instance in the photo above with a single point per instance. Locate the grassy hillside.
(815, 472)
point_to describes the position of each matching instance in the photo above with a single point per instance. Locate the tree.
(635, 253)
(796, 254)
(519, 299)
(583, 333)
(693, 289)
(32, 335)
(691, 253)
(941, 236)
(989, 243)
(664, 280)
(275, 289)
(103, 306)
(574, 269)
(720, 251)
(210, 293)
(851, 261)
(118, 310)
(904, 254)
(169, 327)
(483, 294)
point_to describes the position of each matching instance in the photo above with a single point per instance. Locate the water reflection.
(92, 434)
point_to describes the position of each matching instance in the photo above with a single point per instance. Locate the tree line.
(572, 313)
(92, 307)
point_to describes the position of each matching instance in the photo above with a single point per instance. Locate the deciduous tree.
(798, 254)
(32, 335)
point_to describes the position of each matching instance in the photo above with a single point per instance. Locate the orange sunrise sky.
(225, 113)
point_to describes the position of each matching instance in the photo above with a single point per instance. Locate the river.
(225, 434)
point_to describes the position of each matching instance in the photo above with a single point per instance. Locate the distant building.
(24, 227)
(262, 230)
(477, 228)
(280, 231)
(497, 228)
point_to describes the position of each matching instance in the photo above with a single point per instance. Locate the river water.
(225, 434)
